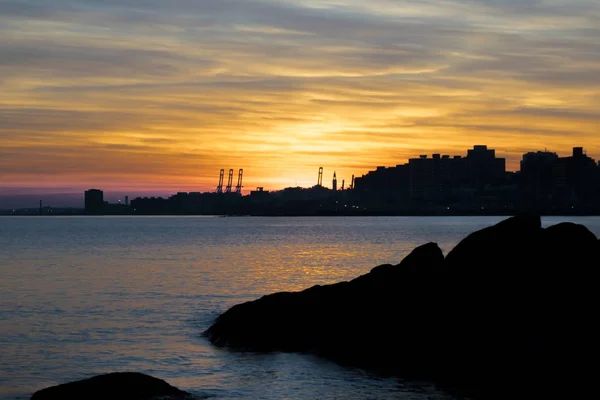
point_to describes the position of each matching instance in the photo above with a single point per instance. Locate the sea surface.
(80, 296)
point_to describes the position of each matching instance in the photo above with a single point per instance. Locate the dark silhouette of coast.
(508, 313)
(475, 184)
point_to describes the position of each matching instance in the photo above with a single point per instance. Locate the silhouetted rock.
(329, 318)
(115, 386)
(508, 312)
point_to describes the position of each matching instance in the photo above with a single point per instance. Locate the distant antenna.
(320, 180)
(238, 188)
(220, 185)
(229, 182)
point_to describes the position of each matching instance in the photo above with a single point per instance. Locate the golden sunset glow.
(145, 95)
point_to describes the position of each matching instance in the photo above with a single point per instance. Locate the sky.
(158, 96)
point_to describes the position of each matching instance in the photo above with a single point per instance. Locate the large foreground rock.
(115, 386)
(511, 311)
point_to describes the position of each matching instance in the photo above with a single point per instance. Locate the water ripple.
(83, 296)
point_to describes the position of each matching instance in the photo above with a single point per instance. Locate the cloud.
(151, 91)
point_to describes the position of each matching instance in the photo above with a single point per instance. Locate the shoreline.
(274, 215)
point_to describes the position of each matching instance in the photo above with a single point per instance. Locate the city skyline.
(151, 97)
(74, 197)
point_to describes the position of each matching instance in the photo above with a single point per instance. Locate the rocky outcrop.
(115, 386)
(329, 319)
(508, 312)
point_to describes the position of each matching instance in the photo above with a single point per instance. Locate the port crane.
(238, 188)
(220, 185)
(229, 182)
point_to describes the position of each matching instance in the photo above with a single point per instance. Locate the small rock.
(115, 386)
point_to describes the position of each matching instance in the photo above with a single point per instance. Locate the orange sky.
(144, 96)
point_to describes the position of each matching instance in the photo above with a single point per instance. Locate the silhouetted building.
(550, 182)
(151, 206)
(483, 168)
(437, 178)
(384, 187)
(423, 185)
(581, 174)
(94, 201)
(260, 192)
(541, 176)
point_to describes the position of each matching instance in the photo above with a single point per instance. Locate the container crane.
(220, 185)
(238, 188)
(229, 182)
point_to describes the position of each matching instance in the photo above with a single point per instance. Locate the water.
(81, 296)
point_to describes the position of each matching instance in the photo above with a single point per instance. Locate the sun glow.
(163, 97)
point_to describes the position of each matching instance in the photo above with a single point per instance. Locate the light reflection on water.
(82, 296)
